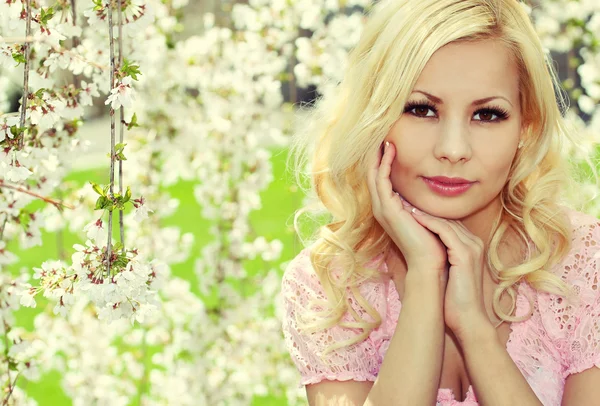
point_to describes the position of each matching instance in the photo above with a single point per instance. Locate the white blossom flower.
(48, 115)
(96, 232)
(16, 173)
(88, 90)
(27, 298)
(6, 58)
(122, 95)
(141, 213)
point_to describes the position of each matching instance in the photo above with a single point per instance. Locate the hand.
(464, 307)
(422, 250)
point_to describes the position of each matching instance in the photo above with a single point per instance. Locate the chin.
(450, 213)
(451, 209)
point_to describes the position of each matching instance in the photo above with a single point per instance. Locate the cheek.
(496, 164)
(406, 165)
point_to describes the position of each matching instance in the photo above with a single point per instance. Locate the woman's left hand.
(464, 308)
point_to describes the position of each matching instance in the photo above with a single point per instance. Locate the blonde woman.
(450, 271)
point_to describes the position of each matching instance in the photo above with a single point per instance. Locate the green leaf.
(96, 188)
(46, 15)
(101, 203)
(19, 58)
(130, 70)
(127, 195)
(16, 131)
(133, 122)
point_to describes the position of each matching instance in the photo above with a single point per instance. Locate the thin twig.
(3, 226)
(6, 349)
(27, 48)
(12, 388)
(112, 135)
(121, 130)
(74, 17)
(55, 203)
(76, 41)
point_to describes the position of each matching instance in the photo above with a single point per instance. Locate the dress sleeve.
(584, 336)
(358, 362)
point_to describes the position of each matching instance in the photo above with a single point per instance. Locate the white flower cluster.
(23, 356)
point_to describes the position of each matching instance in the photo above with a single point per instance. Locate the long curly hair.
(350, 122)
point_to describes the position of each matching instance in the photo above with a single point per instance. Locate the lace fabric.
(560, 338)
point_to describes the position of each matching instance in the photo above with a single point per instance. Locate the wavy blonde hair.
(347, 126)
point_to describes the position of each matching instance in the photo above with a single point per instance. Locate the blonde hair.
(351, 122)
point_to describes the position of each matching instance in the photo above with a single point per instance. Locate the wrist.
(425, 280)
(477, 334)
(420, 286)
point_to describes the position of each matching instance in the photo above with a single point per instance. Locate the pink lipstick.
(445, 186)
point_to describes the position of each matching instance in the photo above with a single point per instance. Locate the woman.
(450, 271)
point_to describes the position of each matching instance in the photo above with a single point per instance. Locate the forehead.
(474, 69)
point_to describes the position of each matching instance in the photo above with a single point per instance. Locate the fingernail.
(387, 144)
(407, 204)
(416, 211)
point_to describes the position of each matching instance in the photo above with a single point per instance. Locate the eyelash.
(498, 111)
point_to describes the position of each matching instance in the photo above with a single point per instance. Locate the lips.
(450, 181)
(454, 187)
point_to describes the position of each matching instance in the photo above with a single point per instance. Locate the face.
(463, 119)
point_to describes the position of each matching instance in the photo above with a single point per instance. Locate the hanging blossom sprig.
(111, 276)
(121, 291)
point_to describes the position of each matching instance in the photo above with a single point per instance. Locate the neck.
(480, 223)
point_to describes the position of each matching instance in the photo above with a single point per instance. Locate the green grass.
(273, 221)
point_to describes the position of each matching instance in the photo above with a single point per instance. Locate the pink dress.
(557, 341)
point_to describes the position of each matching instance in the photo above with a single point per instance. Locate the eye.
(491, 114)
(420, 109)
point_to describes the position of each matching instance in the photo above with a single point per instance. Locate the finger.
(466, 233)
(461, 233)
(448, 234)
(372, 179)
(384, 183)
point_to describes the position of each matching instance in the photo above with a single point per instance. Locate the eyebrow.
(475, 103)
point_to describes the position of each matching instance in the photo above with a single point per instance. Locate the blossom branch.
(27, 53)
(74, 17)
(11, 385)
(55, 203)
(112, 134)
(121, 130)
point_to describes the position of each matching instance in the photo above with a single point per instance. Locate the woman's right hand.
(422, 250)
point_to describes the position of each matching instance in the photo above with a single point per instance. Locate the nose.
(453, 144)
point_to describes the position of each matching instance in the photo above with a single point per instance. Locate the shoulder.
(301, 280)
(585, 228)
(303, 300)
(584, 256)
(579, 327)
(300, 271)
